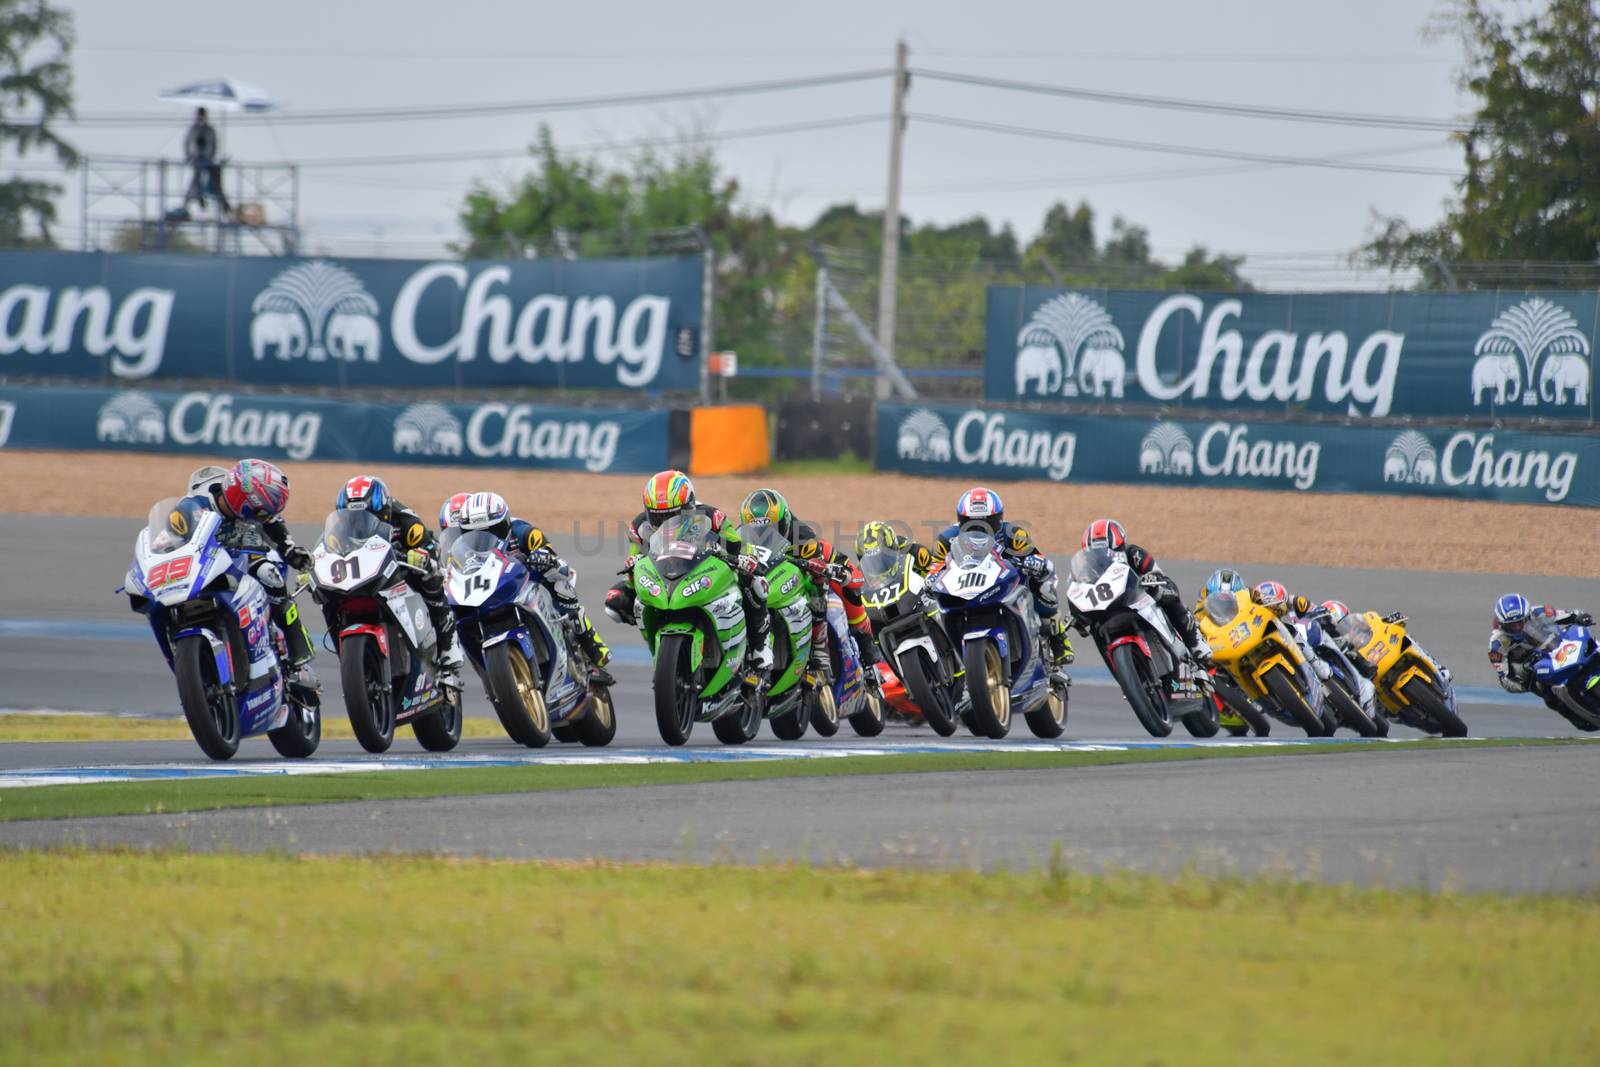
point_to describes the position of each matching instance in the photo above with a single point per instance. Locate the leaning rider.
(667, 495)
(1511, 653)
(251, 497)
(984, 507)
(882, 535)
(528, 544)
(1108, 533)
(415, 543)
(824, 562)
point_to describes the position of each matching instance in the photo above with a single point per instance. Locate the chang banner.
(1471, 464)
(1508, 355)
(585, 324)
(285, 428)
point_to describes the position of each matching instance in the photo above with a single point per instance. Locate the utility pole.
(889, 267)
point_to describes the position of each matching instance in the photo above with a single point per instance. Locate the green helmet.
(767, 506)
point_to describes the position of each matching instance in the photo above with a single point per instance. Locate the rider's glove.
(746, 564)
(1034, 566)
(619, 606)
(1581, 618)
(417, 558)
(628, 564)
(297, 557)
(838, 572)
(1513, 685)
(542, 559)
(816, 568)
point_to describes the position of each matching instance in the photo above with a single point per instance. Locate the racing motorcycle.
(692, 617)
(1411, 684)
(388, 651)
(986, 604)
(535, 671)
(1138, 644)
(1352, 697)
(897, 600)
(1260, 653)
(213, 621)
(790, 704)
(1565, 671)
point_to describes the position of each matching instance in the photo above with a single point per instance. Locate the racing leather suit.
(1016, 545)
(533, 550)
(1165, 593)
(1511, 655)
(410, 534)
(622, 601)
(839, 573)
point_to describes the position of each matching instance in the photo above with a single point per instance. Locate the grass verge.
(206, 794)
(71, 726)
(169, 958)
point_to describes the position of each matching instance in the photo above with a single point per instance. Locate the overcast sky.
(1359, 55)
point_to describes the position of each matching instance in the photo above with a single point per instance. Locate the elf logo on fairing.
(427, 430)
(1166, 449)
(1471, 459)
(1411, 460)
(923, 437)
(501, 430)
(1226, 450)
(1510, 350)
(984, 438)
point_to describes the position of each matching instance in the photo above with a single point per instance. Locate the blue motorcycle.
(534, 669)
(1350, 695)
(987, 610)
(849, 694)
(1566, 665)
(213, 621)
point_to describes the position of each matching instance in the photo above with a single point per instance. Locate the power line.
(1258, 111)
(1184, 150)
(451, 111)
(1230, 58)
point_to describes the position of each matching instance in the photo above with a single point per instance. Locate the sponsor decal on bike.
(315, 310)
(1533, 353)
(203, 418)
(1227, 450)
(36, 319)
(547, 327)
(501, 430)
(650, 585)
(427, 430)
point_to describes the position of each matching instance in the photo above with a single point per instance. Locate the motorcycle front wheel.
(599, 724)
(1426, 699)
(676, 690)
(517, 696)
(868, 722)
(1349, 709)
(440, 730)
(920, 679)
(1150, 709)
(986, 685)
(368, 700)
(212, 711)
(1292, 701)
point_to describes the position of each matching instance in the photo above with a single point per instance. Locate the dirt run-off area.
(1237, 525)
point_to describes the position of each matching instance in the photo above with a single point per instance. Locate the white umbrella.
(226, 94)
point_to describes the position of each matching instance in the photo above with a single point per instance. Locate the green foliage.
(35, 91)
(1530, 193)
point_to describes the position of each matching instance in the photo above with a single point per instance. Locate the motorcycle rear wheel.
(1153, 714)
(1291, 700)
(212, 711)
(300, 734)
(368, 700)
(868, 722)
(743, 725)
(1426, 699)
(1203, 723)
(1349, 710)
(1229, 693)
(792, 724)
(918, 675)
(517, 696)
(986, 685)
(440, 730)
(1049, 720)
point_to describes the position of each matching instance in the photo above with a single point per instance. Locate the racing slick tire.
(212, 711)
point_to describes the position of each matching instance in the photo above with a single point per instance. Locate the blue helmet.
(363, 493)
(1225, 578)
(983, 506)
(1511, 613)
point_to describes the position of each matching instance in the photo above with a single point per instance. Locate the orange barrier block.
(728, 440)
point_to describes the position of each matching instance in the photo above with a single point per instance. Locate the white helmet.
(482, 511)
(201, 479)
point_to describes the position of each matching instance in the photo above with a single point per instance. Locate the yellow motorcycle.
(1257, 650)
(1411, 684)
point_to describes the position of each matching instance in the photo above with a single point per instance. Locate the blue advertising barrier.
(1503, 355)
(1530, 468)
(492, 433)
(398, 324)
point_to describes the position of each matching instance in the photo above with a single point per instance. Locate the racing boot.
(1056, 641)
(817, 666)
(758, 648)
(596, 649)
(444, 627)
(301, 651)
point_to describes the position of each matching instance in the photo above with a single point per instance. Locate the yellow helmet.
(876, 534)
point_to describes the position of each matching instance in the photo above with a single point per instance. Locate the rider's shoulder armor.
(1139, 559)
(527, 537)
(1016, 541)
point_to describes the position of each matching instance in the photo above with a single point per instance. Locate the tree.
(1531, 192)
(35, 91)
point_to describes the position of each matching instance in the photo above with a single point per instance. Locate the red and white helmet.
(1272, 596)
(1105, 533)
(450, 510)
(256, 490)
(1334, 612)
(483, 511)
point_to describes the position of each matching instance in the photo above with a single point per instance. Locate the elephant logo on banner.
(427, 430)
(923, 438)
(315, 310)
(1411, 460)
(131, 419)
(1166, 449)
(1070, 347)
(1509, 353)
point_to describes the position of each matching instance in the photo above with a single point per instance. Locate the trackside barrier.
(490, 433)
(727, 440)
(1511, 355)
(1530, 468)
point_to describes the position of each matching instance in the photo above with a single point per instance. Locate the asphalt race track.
(1517, 819)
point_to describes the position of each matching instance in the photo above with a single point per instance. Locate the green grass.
(206, 794)
(111, 957)
(33, 726)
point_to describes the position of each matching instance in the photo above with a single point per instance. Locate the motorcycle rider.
(983, 506)
(879, 534)
(667, 494)
(415, 543)
(251, 497)
(1108, 533)
(528, 544)
(824, 562)
(1511, 653)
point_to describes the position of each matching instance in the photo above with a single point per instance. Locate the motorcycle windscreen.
(346, 531)
(1088, 564)
(679, 543)
(469, 550)
(973, 542)
(1222, 607)
(1356, 630)
(1540, 632)
(882, 574)
(763, 541)
(173, 522)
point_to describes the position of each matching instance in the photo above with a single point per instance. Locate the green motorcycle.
(693, 621)
(789, 703)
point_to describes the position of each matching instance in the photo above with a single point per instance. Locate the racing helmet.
(667, 494)
(874, 535)
(450, 510)
(982, 506)
(485, 511)
(255, 490)
(363, 493)
(1272, 596)
(1511, 613)
(1105, 533)
(201, 479)
(1224, 579)
(767, 507)
(1332, 613)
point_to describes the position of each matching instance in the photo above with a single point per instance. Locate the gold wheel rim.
(532, 699)
(999, 695)
(829, 706)
(603, 710)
